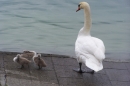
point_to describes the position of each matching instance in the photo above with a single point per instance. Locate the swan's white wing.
(88, 51)
(99, 43)
(100, 52)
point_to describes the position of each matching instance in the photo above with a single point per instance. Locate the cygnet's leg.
(21, 67)
(39, 67)
(28, 66)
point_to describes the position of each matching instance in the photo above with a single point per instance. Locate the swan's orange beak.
(78, 9)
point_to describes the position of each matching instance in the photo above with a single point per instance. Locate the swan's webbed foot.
(91, 72)
(78, 70)
(83, 71)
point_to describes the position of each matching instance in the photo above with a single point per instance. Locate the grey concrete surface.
(59, 72)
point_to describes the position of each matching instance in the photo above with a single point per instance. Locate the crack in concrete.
(3, 78)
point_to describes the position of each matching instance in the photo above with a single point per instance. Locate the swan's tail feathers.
(94, 63)
(99, 54)
(94, 66)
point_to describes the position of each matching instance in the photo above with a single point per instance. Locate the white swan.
(89, 50)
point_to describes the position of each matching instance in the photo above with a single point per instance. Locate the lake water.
(52, 26)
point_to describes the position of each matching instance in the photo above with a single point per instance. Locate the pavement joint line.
(115, 69)
(55, 71)
(29, 73)
(3, 67)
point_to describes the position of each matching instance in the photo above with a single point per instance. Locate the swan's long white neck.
(87, 21)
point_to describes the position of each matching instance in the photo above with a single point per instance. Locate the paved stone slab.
(114, 65)
(66, 72)
(9, 57)
(2, 79)
(128, 66)
(116, 83)
(97, 79)
(12, 81)
(64, 61)
(18, 76)
(10, 65)
(2, 71)
(35, 83)
(42, 83)
(1, 61)
(118, 75)
(45, 76)
(59, 72)
(71, 82)
(49, 63)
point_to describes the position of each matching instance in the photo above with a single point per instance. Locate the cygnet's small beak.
(78, 9)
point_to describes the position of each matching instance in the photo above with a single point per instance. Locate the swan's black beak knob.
(78, 8)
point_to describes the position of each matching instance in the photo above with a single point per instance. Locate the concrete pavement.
(59, 73)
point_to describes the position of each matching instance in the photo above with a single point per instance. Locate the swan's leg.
(80, 69)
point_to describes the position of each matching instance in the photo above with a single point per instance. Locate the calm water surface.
(51, 26)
